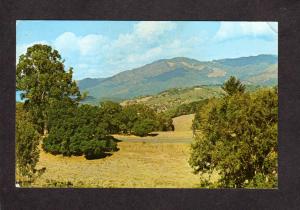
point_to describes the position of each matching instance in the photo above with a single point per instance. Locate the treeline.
(237, 138)
(86, 129)
(184, 109)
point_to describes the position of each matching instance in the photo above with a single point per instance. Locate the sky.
(98, 49)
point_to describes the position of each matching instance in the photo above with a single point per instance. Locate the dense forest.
(235, 134)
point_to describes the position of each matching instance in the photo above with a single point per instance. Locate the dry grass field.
(142, 162)
(137, 164)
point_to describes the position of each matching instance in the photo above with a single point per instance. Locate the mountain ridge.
(182, 72)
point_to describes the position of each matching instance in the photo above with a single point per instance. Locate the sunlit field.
(159, 161)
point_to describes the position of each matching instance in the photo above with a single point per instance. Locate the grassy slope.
(174, 97)
(134, 165)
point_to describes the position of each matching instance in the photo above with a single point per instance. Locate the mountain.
(89, 82)
(181, 72)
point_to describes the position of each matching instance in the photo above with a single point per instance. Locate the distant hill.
(172, 98)
(181, 72)
(169, 100)
(89, 82)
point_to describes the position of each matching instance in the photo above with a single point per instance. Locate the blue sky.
(103, 48)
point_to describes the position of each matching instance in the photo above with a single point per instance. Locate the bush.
(140, 120)
(97, 148)
(238, 139)
(144, 127)
(165, 123)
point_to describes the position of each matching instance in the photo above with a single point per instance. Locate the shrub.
(97, 148)
(144, 126)
(140, 119)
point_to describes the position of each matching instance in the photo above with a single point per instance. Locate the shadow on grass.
(94, 157)
(104, 154)
(152, 134)
(116, 140)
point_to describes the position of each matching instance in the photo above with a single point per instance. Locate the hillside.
(172, 98)
(181, 72)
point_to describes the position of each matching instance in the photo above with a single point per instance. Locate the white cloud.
(151, 29)
(230, 30)
(144, 32)
(123, 41)
(142, 58)
(67, 43)
(146, 42)
(90, 44)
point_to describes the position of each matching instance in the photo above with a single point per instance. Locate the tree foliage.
(233, 86)
(238, 140)
(110, 112)
(77, 130)
(42, 77)
(27, 141)
(140, 120)
(86, 129)
(144, 126)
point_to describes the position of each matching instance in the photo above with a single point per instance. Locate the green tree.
(110, 114)
(143, 127)
(238, 140)
(78, 131)
(165, 122)
(138, 119)
(42, 77)
(233, 85)
(27, 141)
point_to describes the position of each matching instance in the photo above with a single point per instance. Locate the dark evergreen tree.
(233, 86)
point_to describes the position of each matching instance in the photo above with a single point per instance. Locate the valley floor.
(159, 161)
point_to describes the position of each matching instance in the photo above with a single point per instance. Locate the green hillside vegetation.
(182, 101)
(172, 98)
(87, 130)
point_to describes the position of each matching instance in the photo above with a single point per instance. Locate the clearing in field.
(159, 161)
